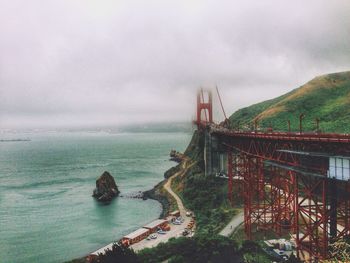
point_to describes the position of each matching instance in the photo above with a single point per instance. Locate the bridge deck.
(289, 136)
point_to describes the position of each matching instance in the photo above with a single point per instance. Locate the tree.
(340, 250)
(118, 253)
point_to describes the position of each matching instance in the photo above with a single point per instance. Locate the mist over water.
(47, 213)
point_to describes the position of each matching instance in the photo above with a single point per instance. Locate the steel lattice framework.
(284, 194)
(285, 184)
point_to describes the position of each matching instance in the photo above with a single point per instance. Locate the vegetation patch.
(201, 248)
(205, 195)
(161, 195)
(173, 170)
(325, 98)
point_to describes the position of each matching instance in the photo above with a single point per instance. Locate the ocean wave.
(78, 166)
(63, 167)
(49, 183)
(88, 166)
(45, 195)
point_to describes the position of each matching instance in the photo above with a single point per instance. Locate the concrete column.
(208, 154)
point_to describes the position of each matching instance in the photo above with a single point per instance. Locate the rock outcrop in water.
(176, 156)
(106, 188)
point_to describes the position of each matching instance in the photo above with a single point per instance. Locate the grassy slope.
(205, 195)
(326, 97)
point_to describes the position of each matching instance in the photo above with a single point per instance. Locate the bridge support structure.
(208, 154)
(235, 169)
(268, 199)
(282, 191)
(312, 214)
(204, 106)
(281, 195)
(204, 118)
(230, 177)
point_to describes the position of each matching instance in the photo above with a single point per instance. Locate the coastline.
(155, 194)
(171, 202)
(159, 194)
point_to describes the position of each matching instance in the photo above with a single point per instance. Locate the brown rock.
(106, 188)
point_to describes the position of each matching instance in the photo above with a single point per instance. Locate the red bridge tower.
(205, 106)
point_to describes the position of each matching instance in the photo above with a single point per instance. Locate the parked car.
(161, 232)
(186, 232)
(166, 228)
(180, 219)
(153, 236)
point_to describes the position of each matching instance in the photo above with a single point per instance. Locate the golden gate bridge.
(291, 183)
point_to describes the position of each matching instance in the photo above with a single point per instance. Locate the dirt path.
(176, 230)
(167, 186)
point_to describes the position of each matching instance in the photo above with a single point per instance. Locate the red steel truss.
(204, 106)
(235, 171)
(230, 177)
(268, 197)
(283, 194)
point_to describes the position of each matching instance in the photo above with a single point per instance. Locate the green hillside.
(325, 97)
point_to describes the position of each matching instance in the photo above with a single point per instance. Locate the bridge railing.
(295, 136)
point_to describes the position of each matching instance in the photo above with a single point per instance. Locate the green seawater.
(47, 213)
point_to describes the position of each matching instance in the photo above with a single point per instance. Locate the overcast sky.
(108, 62)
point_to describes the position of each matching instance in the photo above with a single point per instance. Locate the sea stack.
(106, 188)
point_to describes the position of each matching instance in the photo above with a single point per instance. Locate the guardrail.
(290, 136)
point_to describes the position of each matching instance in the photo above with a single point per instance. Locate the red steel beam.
(230, 177)
(289, 200)
(286, 200)
(284, 136)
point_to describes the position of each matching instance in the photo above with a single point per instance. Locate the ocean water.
(47, 213)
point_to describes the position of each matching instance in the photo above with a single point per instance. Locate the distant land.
(159, 127)
(131, 128)
(326, 98)
(14, 140)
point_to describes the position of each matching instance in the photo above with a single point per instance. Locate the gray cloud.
(89, 62)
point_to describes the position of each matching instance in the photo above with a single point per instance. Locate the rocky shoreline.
(157, 192)
(133, 195)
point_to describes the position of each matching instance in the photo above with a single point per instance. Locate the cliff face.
(195, 148)
(205, 195)
(106, 188)
(326, 98)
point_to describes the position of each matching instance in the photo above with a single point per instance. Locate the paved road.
(234, 223)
